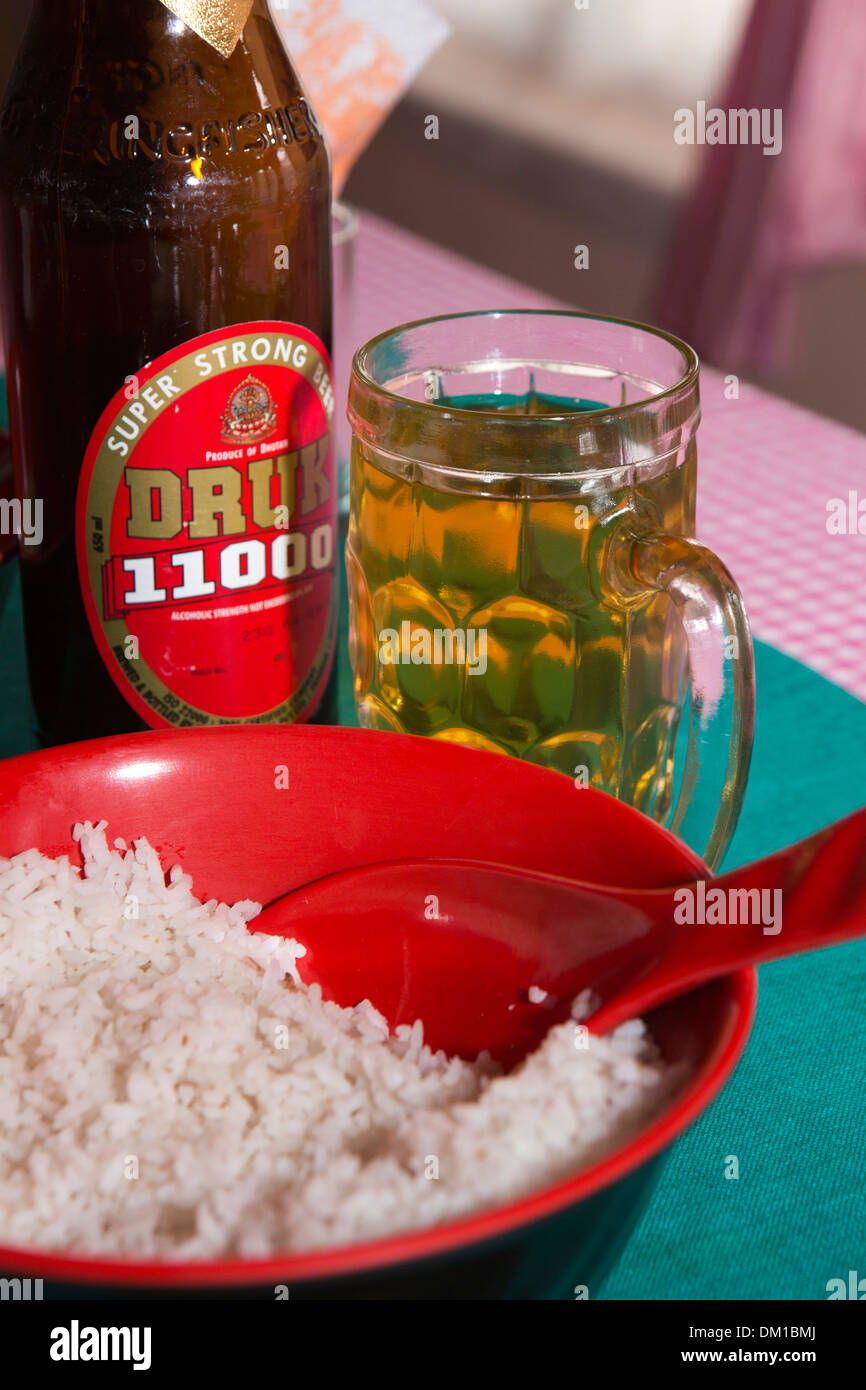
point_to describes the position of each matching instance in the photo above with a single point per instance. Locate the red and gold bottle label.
(206, 530)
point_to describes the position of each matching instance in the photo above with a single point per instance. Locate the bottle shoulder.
(162, 118)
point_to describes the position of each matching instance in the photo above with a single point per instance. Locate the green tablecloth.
(794, 1113)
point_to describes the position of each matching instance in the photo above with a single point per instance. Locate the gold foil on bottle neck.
(219, 22)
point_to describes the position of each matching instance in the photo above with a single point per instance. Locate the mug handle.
(721, 668)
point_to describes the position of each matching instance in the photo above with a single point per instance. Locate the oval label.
(206, 530)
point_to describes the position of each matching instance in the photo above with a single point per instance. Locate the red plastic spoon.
(633, 948)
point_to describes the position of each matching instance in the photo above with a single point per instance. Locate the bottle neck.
(150, 11)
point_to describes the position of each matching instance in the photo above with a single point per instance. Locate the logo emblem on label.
(206, 530)
(250, 414)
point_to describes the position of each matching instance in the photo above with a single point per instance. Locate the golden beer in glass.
(522, 573)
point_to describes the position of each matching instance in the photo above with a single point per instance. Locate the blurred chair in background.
(754, 223)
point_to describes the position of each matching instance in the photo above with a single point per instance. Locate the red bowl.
(208, 799)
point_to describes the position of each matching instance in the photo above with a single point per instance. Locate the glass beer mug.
(522, 571)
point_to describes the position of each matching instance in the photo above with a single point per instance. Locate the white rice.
(169, 1088)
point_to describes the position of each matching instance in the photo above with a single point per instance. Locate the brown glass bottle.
(147, 185)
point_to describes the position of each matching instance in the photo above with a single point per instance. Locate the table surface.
(793, 1114)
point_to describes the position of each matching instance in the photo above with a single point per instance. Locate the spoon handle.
(807, 896)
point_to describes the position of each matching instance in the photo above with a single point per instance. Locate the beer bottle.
(165, 292)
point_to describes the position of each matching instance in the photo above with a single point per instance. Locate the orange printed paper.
(356, 58)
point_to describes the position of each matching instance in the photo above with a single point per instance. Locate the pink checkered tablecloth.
(768, 469)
